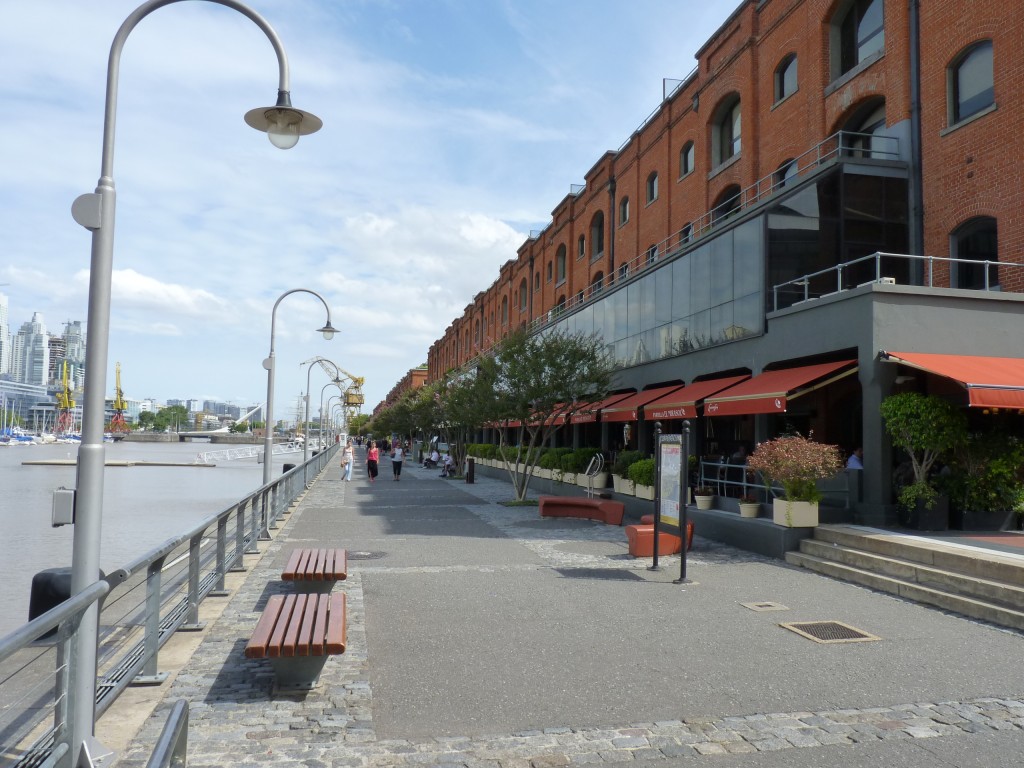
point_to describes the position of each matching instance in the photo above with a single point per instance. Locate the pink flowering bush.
(796, 462)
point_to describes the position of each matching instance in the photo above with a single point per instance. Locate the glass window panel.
(663, 294)
(748, 260)
(634, 303)
(747, 315)
(647, 297)
(621, 328)
(721, 323)
(665, 340)
(585, 320)
(700, 279)
(681, 287)
(720, 283)
(700, 329)
(974, 87)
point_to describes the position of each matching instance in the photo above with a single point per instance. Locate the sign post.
(685, 484)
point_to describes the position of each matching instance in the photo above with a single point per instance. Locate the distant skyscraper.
(74, 352)
(5, 338)
(32, 352)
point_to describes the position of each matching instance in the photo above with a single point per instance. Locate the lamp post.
(95, 212)
(336, 383)
(328, 331)
(309, 374)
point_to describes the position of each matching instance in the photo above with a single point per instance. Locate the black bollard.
(50, 588)
(288, 468)
(470, 470)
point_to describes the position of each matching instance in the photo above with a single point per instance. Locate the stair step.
(997, 566)
(988, 590)
(921, 593)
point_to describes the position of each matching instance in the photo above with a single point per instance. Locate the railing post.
(192, 622)
(253, 532)
(219, 587)
(839, 278)
(264, 534)
(151, 640)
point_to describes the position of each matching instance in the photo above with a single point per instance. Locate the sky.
(452, 129)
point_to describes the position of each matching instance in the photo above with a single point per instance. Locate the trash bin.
(50, 588)
(288, 468)
(470, 468)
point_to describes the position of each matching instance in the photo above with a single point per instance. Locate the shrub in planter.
(552, 458)
(624, 461)
(986, 480)
(578, 460)
(642, 472)
(797, 463)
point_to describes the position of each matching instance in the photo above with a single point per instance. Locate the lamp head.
(328, 331)
(282, 122)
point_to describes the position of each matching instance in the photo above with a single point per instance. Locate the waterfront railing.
(142, 605)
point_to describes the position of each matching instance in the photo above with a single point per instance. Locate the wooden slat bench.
(603, 510)
(297, 633)
(316, 569)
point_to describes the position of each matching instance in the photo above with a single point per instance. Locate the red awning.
(628, 409)
(991, 382)
(770, 391)
(588, 413)
(682, 404)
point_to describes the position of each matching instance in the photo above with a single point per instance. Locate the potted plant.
(923, 426)
(642, 474)
(985, 482)
(796, 463)
(749, 506)
(620, 471)
(704, 495)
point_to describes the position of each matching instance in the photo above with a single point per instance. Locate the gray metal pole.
(95, 212)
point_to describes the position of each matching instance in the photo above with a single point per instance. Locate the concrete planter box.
(623, 485)
(795, 514)
(645, 492)
(600, 480)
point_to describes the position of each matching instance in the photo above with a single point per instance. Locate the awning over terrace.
(682, 403)
(628, 409)
(588, 413)
(770, 391)
(991, 382)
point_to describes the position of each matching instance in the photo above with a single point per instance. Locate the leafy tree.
(146, 419)
(539, 381)
(357, 424)
(172, 415)
(240, 427)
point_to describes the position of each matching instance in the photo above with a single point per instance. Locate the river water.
(142, 507)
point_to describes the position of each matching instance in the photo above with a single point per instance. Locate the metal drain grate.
(829, 631)
(765, 606)
(366, 555)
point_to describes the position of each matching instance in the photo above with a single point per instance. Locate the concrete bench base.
(297, 633)
(602, 510)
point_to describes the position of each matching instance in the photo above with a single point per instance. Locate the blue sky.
(452, 128)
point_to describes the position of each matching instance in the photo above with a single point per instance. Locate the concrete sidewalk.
(483, 635)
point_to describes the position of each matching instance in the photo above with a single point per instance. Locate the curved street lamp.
(328, 331)
(335, 383)
(305, 426)
(95, 212)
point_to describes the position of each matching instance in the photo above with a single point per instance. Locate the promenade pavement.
(481, 635)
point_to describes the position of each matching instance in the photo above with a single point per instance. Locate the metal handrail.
(172, 746)
(170, 581)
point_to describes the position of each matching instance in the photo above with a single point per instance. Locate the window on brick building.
(623, 271)
(536, 282)
(551, 268)
(786, 173)
(861, 131)
(652, 187)
(970, 82)
(476, 332)
(727, 205)
(652, 254)
(725, 136)
(523, 288)
(597, 284)
(785, 78)
(858, 32)
(504, 310)
(686, 233)
(623, 210)
(597, 235)
(686, 158)
(975, 240)
(560, 265)
(581, 247)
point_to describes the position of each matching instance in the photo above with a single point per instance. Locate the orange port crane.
(117, 422)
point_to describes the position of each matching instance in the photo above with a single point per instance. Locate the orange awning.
(628, 409)
(770, 391)
(682, 404)
(991, 382)
(588, 413)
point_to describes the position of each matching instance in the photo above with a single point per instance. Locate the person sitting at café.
(432, 460)
(856, 460)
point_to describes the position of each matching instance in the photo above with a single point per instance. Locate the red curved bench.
(603, 510)
(641, 539)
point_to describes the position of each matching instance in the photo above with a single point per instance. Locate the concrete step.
(983, 564)
(967, 585)
(920, 593)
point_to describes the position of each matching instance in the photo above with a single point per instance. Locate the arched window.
(975, 240)
(504, 310)
(597, 284)
(652, 187)
(786, 173)
(623, 271)
(686, 233)
(536, 281)
(623, 210)
(652, 254)
(686, 158)
(857, 32)
(551, 267)
(725, 137)
(863, 126)
(970, 82)
(523, 288)
(579, 297)
(560, 265)
(581, 247)
(476, 332)
(728, 203)
(785, 78)
(597, 235)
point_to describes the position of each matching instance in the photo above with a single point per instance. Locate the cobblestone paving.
(234, 721)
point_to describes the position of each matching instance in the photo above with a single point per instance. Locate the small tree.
(924, 426)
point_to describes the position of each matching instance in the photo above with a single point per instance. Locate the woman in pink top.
(372, 456)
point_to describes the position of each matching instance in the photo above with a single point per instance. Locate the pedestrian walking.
(348, 458)
(372, 457)
(397, 455)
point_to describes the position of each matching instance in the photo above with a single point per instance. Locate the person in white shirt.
(446, 470)
(397, 454)
(856, 460)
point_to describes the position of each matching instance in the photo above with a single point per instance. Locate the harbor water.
(143, 506)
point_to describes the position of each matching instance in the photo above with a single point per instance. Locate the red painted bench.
(603, 510)
(641, 540)
(317, 569)
(297, 633)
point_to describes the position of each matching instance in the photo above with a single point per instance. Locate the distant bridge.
(246, 452)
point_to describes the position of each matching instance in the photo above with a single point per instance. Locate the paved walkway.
(481, 635)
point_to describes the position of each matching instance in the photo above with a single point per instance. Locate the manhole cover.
(600, 573)
(829, 632)
(366, 555)
(765, 606)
